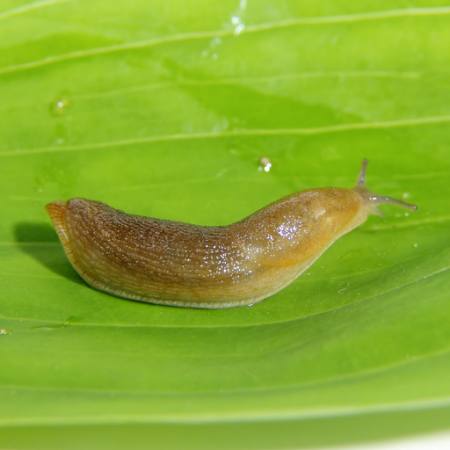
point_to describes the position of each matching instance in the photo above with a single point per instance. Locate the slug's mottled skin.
(173, 263)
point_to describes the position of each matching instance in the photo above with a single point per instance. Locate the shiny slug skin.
(179, 264)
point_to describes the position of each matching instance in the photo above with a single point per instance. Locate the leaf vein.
(29, 7)
(198, 35)
(242, 132)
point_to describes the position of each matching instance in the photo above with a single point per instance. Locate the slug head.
(373, 200)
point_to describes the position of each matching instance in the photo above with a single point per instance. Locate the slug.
(179, 264)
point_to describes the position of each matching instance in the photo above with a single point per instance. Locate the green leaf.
(165, 109)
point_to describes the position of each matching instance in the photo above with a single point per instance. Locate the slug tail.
(57, 213)
(374, 200)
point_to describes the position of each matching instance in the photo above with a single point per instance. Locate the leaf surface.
(165, 109)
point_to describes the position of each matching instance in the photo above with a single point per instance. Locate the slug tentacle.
(180, 264)
(374, 200)
(362, 173)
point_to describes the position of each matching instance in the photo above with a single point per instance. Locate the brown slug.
(174, 263)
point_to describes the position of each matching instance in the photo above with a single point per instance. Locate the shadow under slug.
(39, 241)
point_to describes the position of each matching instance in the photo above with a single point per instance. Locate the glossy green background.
(164, 109)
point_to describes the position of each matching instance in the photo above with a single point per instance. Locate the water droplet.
(211, 51)
(59, 106)
(4, 331)
(220, 125)
(236, 20)
(215, 41)
(406, 195)
(415, 245)
(250, 305)
(265, 164)
(238, 25)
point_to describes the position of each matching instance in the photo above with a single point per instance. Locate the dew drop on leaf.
(236, 20)
(59, 106)
(238, 25)
(212, 50)
(265, 164)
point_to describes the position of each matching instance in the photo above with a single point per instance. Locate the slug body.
(180, 264)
